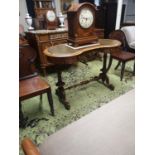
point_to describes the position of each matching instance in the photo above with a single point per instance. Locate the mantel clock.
(81, 24)
(45, 12)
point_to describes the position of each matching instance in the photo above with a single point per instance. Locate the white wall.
(58, 7)
(22, 11)
(119, 13)
(130, 10)
(129, 15)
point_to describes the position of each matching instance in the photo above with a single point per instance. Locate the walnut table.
(41, 39)
(63, 54)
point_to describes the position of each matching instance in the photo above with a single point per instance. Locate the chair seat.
(123, 55)
(32, 87)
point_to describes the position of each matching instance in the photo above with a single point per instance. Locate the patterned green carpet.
(83, 99)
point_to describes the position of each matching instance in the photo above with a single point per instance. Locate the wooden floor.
(108, 130)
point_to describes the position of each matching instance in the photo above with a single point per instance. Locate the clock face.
(50, 15)
(86, 18)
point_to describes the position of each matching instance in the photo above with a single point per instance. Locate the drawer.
(58, 36)
(42, 38)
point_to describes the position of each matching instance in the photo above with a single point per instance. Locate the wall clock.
(81, 24)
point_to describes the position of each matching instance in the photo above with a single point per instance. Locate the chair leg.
(122, 70)
(41, 98)
(50, 100)
(119, 62)
(21, 116)
(41, 101)
(22, 119)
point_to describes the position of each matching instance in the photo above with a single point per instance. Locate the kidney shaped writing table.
(63, 54)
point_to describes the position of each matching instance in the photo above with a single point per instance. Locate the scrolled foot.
(62, 98)
(111, 87)
(67, 106)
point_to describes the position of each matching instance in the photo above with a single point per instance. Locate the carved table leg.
(60, 90)
(103, 75)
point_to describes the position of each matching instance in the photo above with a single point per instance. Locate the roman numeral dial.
(86, 18)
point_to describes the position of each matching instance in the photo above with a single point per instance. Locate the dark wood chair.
(30, 83)
(121, 54)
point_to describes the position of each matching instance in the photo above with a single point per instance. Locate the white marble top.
(48, 31)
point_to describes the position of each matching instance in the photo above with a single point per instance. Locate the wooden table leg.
(103, 75)
(60, 91)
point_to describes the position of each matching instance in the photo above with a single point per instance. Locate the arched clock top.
(76, 6)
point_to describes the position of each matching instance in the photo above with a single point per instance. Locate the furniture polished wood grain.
(30, 83)
(63, 54)
(81, 26)
(41, 39)
(32, 87)
(27, 56)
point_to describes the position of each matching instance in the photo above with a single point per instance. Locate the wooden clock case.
(51, 25)
(76, 34)
(41, 7)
